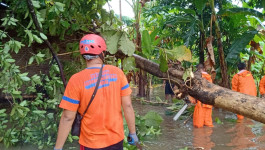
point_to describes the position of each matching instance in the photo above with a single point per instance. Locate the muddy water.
(247, 135)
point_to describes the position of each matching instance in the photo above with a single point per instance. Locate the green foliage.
(112, 40)
(153, 119)
(174, 108)
(240, 11)
(29, 122)
(146, 43)
(38, 57)
(231, 120)
(200, 5)
(129, 63)
(150, 42)
(3, 123)
(9, 21)
(179, 53)
(188, 74)
(158, 99)
(13, 45)
(253, 22)
(189, 23)
(239, 45)
(189, 37)
(35, 127)
(218, 121)
(117, 40)
(126, 46)
(148, 125)
(163, 61)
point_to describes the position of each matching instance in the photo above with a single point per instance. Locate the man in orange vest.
(102, 123)
(202, 112)
(243, 82)
(262, 87)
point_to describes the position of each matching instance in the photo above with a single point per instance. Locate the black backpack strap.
(95, 91)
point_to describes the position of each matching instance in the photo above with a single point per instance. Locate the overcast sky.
(126, 9)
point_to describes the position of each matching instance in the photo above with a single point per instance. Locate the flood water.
(230, 135)
(247, 135)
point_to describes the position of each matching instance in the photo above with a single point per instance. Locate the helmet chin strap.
(102, 56)
(89, 57)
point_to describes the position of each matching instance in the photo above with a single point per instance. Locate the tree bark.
(223, 65)
(142, 83)
(208, 93)
(201, 45)
(250, 59)
(141, 74)
(134, 77)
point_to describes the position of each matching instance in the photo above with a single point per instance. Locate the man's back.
(208, 77)
(102, 124)
(243, 82)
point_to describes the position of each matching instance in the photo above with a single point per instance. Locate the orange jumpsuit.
(262, 86)
(243, 82)
(202, 112)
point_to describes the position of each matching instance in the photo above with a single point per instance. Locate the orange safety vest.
(262, 86)
(208, 77)
(243, 82)
(202, 112)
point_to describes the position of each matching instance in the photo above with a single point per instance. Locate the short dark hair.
(200, 67)
(241, 66)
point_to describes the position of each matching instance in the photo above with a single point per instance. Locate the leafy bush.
(148, 125)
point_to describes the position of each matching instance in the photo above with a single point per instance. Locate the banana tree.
(189, 22)
(223, 65)
(247, 40)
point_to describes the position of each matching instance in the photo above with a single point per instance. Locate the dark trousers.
(117, 146)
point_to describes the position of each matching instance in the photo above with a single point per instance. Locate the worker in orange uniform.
(102, 124)
(243, 82)
(202, 112)
(262, 87)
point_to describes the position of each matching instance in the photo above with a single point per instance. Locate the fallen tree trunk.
(208, 93)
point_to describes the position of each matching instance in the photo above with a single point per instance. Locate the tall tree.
(223, 65)
(137, 8)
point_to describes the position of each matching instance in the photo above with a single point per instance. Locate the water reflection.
(261, 136)
(242, 135)
(202, 138)
(226, 136)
